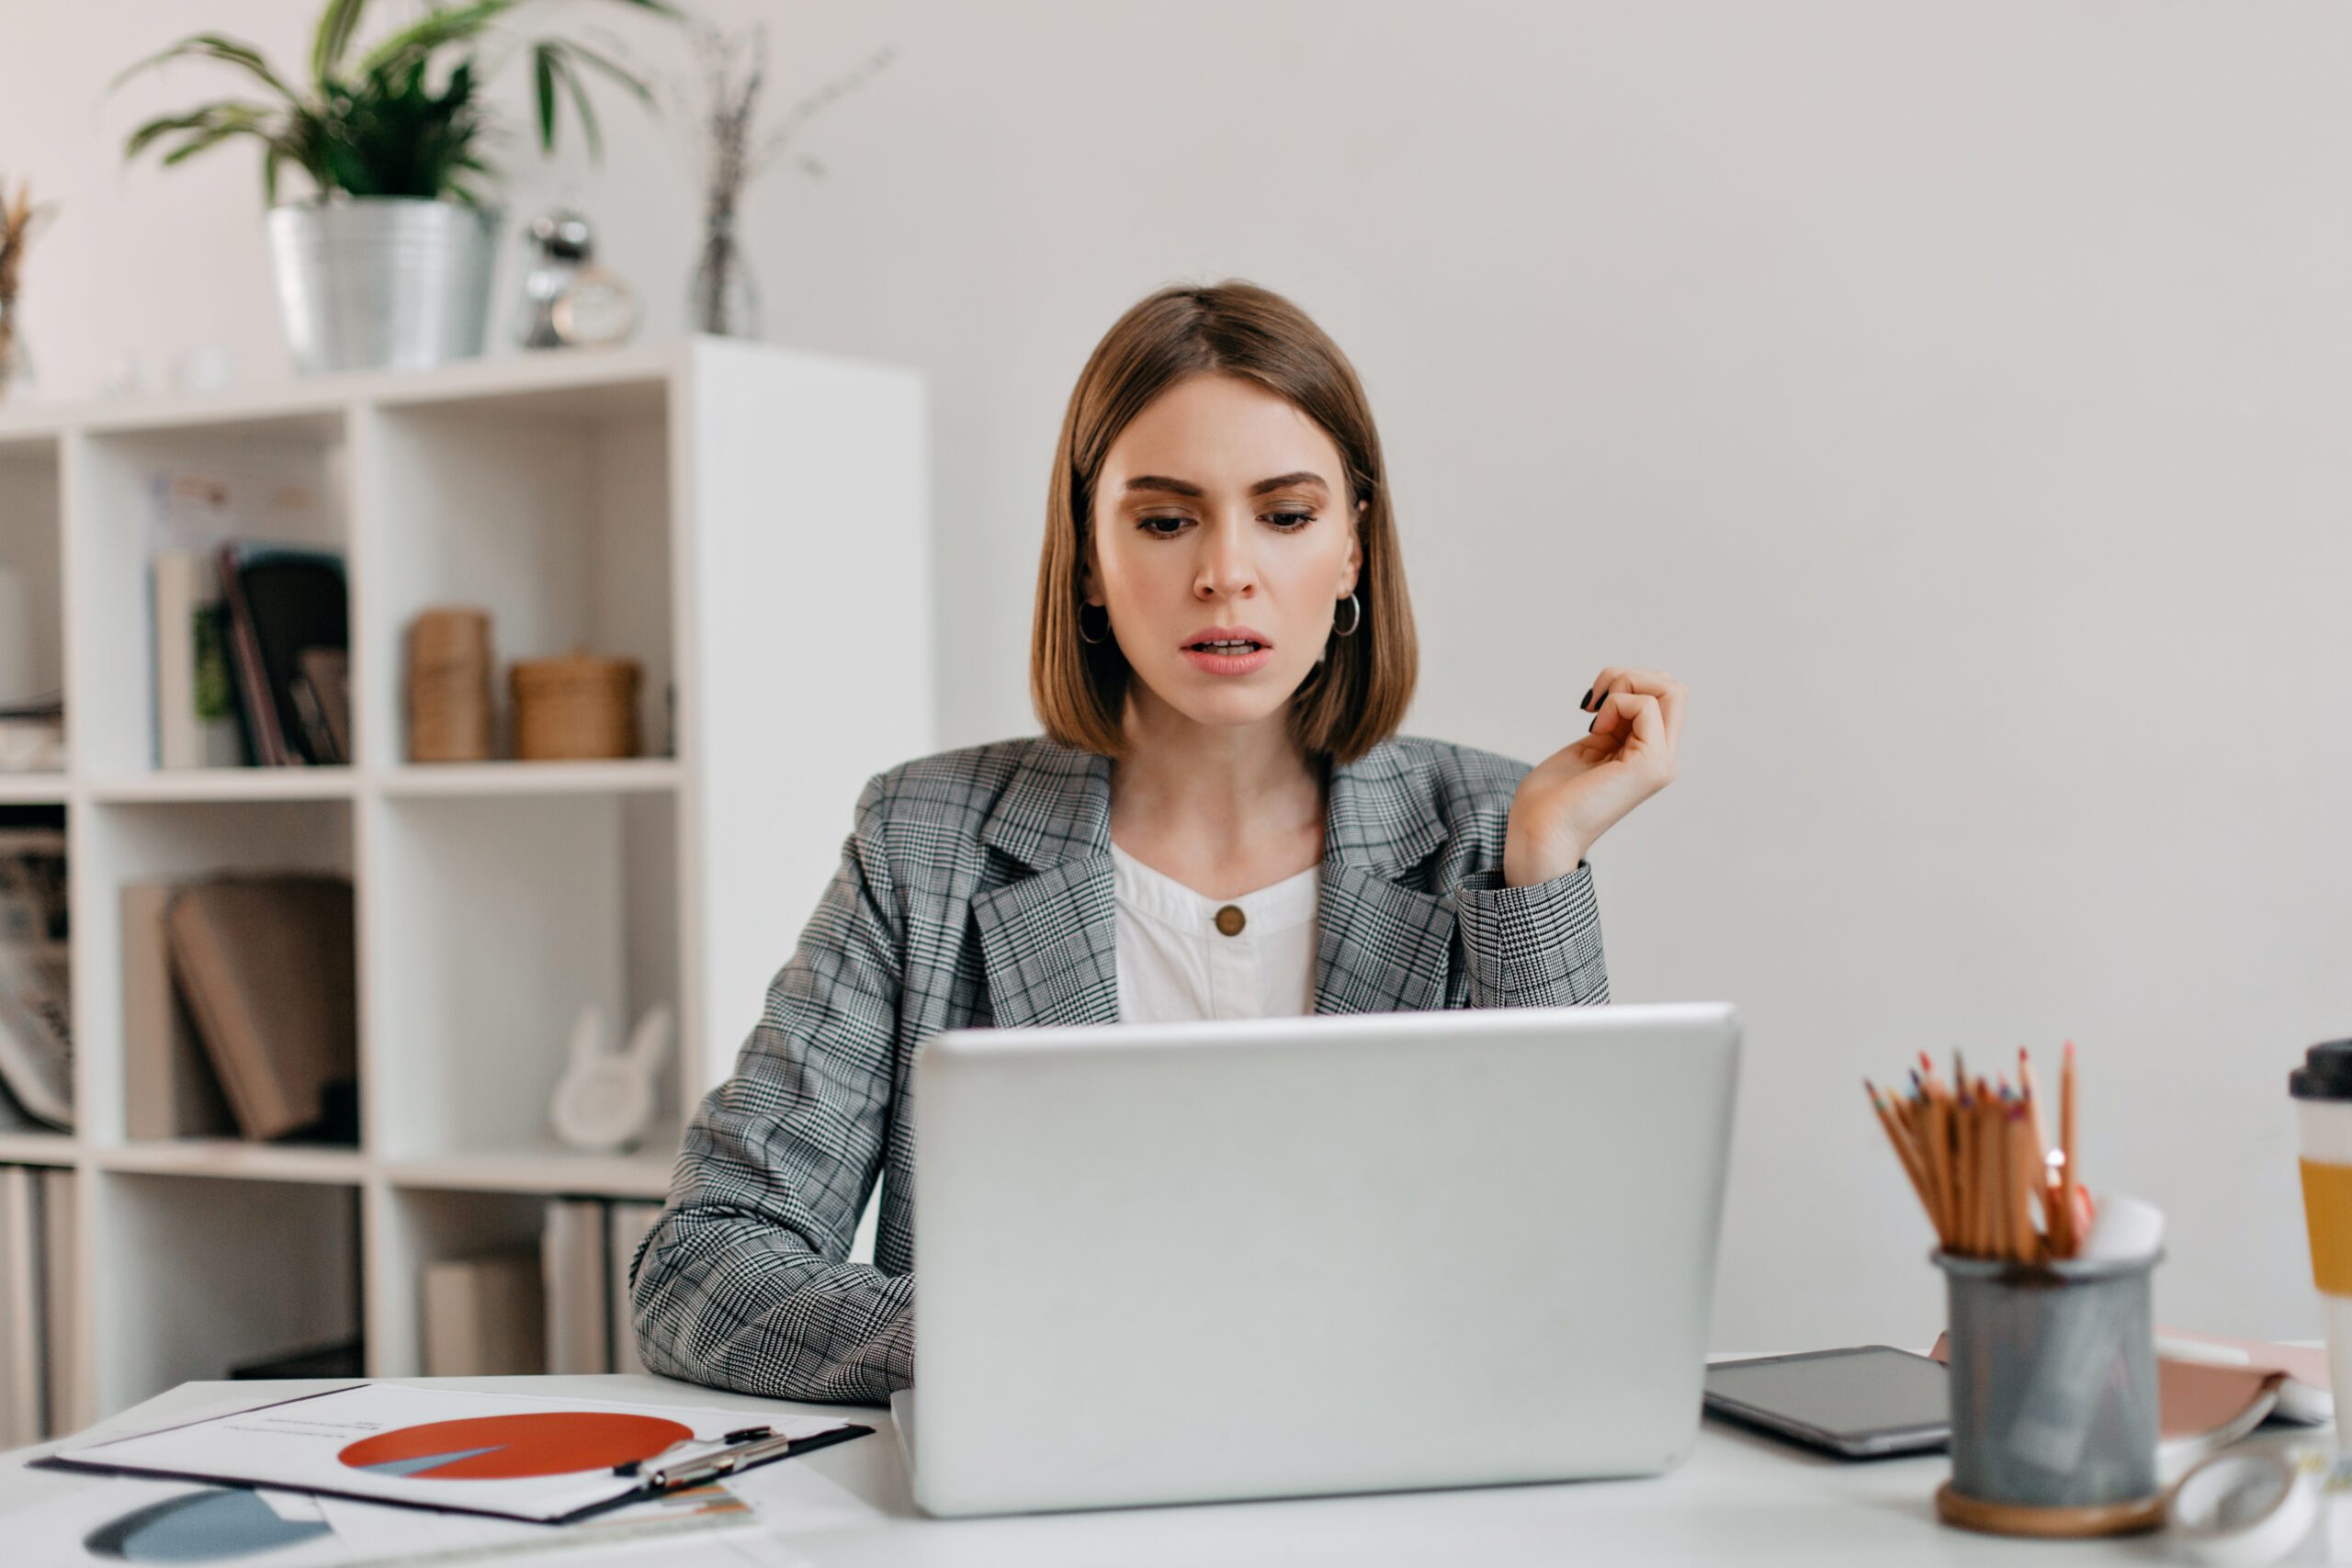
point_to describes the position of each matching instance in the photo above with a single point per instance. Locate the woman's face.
(1222, 511)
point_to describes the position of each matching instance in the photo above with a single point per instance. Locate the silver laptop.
(1175, 1263)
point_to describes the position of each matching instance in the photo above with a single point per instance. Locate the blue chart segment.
(212, 1526)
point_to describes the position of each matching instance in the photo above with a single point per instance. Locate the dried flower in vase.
(734, 71)
(19, 219)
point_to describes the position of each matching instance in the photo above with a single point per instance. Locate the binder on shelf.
(485, 1316)
(267, 968)
(169, 1088)
(572, 1261)
(23, 1398)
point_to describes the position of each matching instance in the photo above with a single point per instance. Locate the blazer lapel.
(1383, 945)
(1049, 940)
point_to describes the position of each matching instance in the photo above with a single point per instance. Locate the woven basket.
(574, 706)
(448, 685)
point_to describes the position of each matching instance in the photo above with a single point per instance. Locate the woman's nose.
(1225, 568)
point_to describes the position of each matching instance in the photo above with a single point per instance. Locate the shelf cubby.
(288, 475)
(549, 510)
(506, 916)
(423, 1227)
(132, 842)
(201, 1273)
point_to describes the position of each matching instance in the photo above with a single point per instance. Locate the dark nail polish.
(1587, 703)
(1594, 726)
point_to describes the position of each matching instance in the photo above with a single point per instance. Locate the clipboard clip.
(691, 1462)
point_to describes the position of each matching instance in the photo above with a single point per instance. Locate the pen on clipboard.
(691, 1462)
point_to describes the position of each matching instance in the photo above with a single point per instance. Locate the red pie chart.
(508, 1447)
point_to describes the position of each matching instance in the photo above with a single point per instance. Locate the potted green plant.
(388, 262)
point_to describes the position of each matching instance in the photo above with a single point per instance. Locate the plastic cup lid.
(2326, 1072)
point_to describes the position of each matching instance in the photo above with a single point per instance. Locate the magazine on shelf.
(36, 1017)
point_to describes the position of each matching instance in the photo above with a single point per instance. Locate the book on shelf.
(286, 608)
(571, 1259)
(485, 1316)
(23, 1395)
(322, 691)
(196, 710)
(169, 1088)
(267, 968)
(628, 1223)
(60, 1261)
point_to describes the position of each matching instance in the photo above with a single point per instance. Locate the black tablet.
(1860, 1402)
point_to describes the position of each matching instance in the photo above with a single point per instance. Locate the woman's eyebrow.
(1185, 487)
(1157, 481)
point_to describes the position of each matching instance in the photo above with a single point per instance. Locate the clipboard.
(528, 1457)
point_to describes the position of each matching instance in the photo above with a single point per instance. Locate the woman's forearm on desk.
(730, 1299)
(745, 1281)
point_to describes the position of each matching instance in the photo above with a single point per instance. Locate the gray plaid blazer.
(976, 892)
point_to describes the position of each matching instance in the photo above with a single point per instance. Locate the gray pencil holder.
(2053, 1396)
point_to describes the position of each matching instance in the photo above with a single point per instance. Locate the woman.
(1219, 821)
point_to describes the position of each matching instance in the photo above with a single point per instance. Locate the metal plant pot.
(372, 283)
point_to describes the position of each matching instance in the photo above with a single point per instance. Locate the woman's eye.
(1289, 521)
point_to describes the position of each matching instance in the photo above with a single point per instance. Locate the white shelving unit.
(750, 525)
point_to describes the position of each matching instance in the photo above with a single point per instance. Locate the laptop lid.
(1284, 1257)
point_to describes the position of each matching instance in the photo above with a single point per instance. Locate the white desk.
(1739, 1499)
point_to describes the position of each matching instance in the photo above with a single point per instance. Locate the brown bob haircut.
(1356, 697)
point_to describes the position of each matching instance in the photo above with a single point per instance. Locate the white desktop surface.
(1738, 1499)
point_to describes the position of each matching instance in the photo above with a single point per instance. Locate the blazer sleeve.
(744, 1282)
(1534, 947)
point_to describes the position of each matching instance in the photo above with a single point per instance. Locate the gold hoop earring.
(1093, 641)
(1355, 621)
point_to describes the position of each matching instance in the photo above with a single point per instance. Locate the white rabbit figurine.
(604, 1098)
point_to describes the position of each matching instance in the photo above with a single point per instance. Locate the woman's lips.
(1229, 663)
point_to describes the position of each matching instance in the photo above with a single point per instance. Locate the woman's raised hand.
(1579, 791)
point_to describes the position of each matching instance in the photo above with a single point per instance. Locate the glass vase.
(722, 300)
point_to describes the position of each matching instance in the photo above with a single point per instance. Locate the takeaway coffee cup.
(2322, 1091)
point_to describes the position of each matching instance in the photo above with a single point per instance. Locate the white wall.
(1953, 395)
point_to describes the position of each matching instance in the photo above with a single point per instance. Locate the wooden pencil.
(2069, 1178)
(2023, 1145)
(1904, 1152)
(1995, 1223)
(2032, 1096)
(1988, 1136)
(2044, 1183)
(1937, 1119)
(1910, 1116)
(1963, 1148)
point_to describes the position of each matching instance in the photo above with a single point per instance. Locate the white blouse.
(1182, 956)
